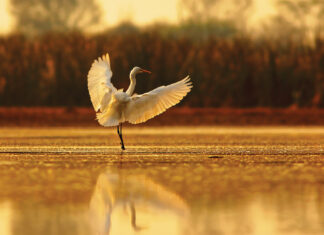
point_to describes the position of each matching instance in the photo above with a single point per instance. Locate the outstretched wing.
(99, 83)
(148, 105)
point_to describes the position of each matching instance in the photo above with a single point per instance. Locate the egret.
(115, 107)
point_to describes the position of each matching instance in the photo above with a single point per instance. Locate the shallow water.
(170, 180)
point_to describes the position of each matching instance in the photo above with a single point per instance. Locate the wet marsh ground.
(170, 180)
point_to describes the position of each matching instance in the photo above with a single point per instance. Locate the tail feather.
(106, 119)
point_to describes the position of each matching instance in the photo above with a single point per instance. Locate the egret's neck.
(132, 84)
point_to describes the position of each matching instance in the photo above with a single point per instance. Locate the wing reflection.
(124, 203)
(5, 218)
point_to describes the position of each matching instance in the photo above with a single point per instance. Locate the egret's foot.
(122, 143)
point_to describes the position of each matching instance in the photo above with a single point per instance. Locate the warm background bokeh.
(240, 54)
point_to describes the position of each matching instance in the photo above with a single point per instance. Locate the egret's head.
(137, 70)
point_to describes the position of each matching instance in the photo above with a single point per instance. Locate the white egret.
(114, 106)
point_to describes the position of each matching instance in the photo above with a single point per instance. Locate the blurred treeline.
(229, 68)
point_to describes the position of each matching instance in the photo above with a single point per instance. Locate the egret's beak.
(145, 71)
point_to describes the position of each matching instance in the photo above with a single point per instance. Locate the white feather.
(99, 83)
(115, 106)
(148, 105)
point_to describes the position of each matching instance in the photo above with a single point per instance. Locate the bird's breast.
(121, 97)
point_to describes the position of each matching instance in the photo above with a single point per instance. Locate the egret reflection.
(5, 218)
(125, 203)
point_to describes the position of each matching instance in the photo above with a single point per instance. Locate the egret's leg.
(133, 218)
(119, 131)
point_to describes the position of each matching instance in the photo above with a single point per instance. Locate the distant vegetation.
(228, 67)
(35, 17)
(237, 72)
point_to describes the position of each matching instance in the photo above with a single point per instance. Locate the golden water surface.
(170, 180)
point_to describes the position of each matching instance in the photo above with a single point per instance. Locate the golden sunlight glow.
(142, 12)
(5, 19)
(262, 9)
(139, 11)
